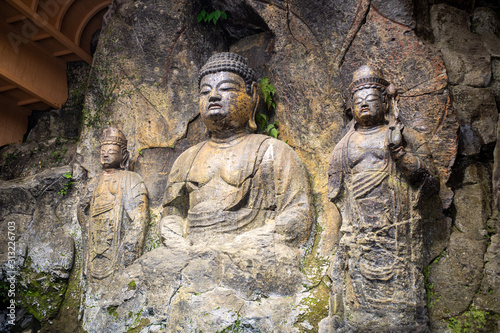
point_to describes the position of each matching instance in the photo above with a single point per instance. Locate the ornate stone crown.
(113, 136)
(229, 62)
(367, 77)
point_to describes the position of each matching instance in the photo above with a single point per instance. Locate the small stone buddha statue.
(113, 212)
(379, 173)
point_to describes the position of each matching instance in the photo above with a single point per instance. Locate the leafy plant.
(268, 92)
(213, 16)
(265, 127)
(66, 187)
(57, 155)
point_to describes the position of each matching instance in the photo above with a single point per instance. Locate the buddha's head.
(228, 94)
(114, 153)
(369, 97)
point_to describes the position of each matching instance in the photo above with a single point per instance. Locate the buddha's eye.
(204, 91)
(358, 101)
(228, 87)
(372, 98)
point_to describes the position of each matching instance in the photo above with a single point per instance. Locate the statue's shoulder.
(183, 163)
(191, 152)
(266, 141)
(134, 177)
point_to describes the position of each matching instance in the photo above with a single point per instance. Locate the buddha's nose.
(214, 96)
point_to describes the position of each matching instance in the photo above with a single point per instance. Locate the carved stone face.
(111, 156)
(224, 102)
(368, 107)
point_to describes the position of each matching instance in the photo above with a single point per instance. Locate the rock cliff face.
(444, 60)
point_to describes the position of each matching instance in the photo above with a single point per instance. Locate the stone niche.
(444, 63)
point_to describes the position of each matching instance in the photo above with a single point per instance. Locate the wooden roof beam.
(27, 66)
(8, 103)
(7, 88)
(28, 101)
(42, 22)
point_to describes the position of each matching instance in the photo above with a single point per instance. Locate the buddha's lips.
(214, 106)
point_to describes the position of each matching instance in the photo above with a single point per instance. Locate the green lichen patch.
(314, 308)
(132, 285)
(472, 320)
(41, 294)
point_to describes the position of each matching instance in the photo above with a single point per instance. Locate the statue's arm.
(83, 212)
(335, 174)
(138, 212)
(292, 191)
(175, 206)
(174, 223)
(414, 158)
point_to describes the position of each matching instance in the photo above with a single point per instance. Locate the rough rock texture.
(144, 80)
(45, 250)
(466, 58)
(477, 115)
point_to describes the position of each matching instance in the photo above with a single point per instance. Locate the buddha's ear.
(255, 99)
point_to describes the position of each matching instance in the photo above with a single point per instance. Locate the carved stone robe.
(246, 204)
(114, 217)
(258, 178)
(378, 266)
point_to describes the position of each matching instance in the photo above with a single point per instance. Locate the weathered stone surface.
(467, 60)
(402, 13)
(456, 276)
(473, 204)
(484, 21)
(496, 173)
(28, 159)
(45, 250)
(478, 115)
(495, 84)
(488, 298)
(49, 125)
(155, 163)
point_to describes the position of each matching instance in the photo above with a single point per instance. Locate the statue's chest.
(212, 163)
(106, 194)
(367, 151)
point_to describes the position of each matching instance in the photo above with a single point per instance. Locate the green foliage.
(67, 185)
(268, 91)
(265, 127)
(236, 327)
(473, 320)
(112, 311)
(432, 296)
(132, 285)
(9, 157)
(211, 17)
(58, 155)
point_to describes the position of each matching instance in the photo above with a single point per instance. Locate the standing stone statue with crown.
(113, 212)
(379, 174)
